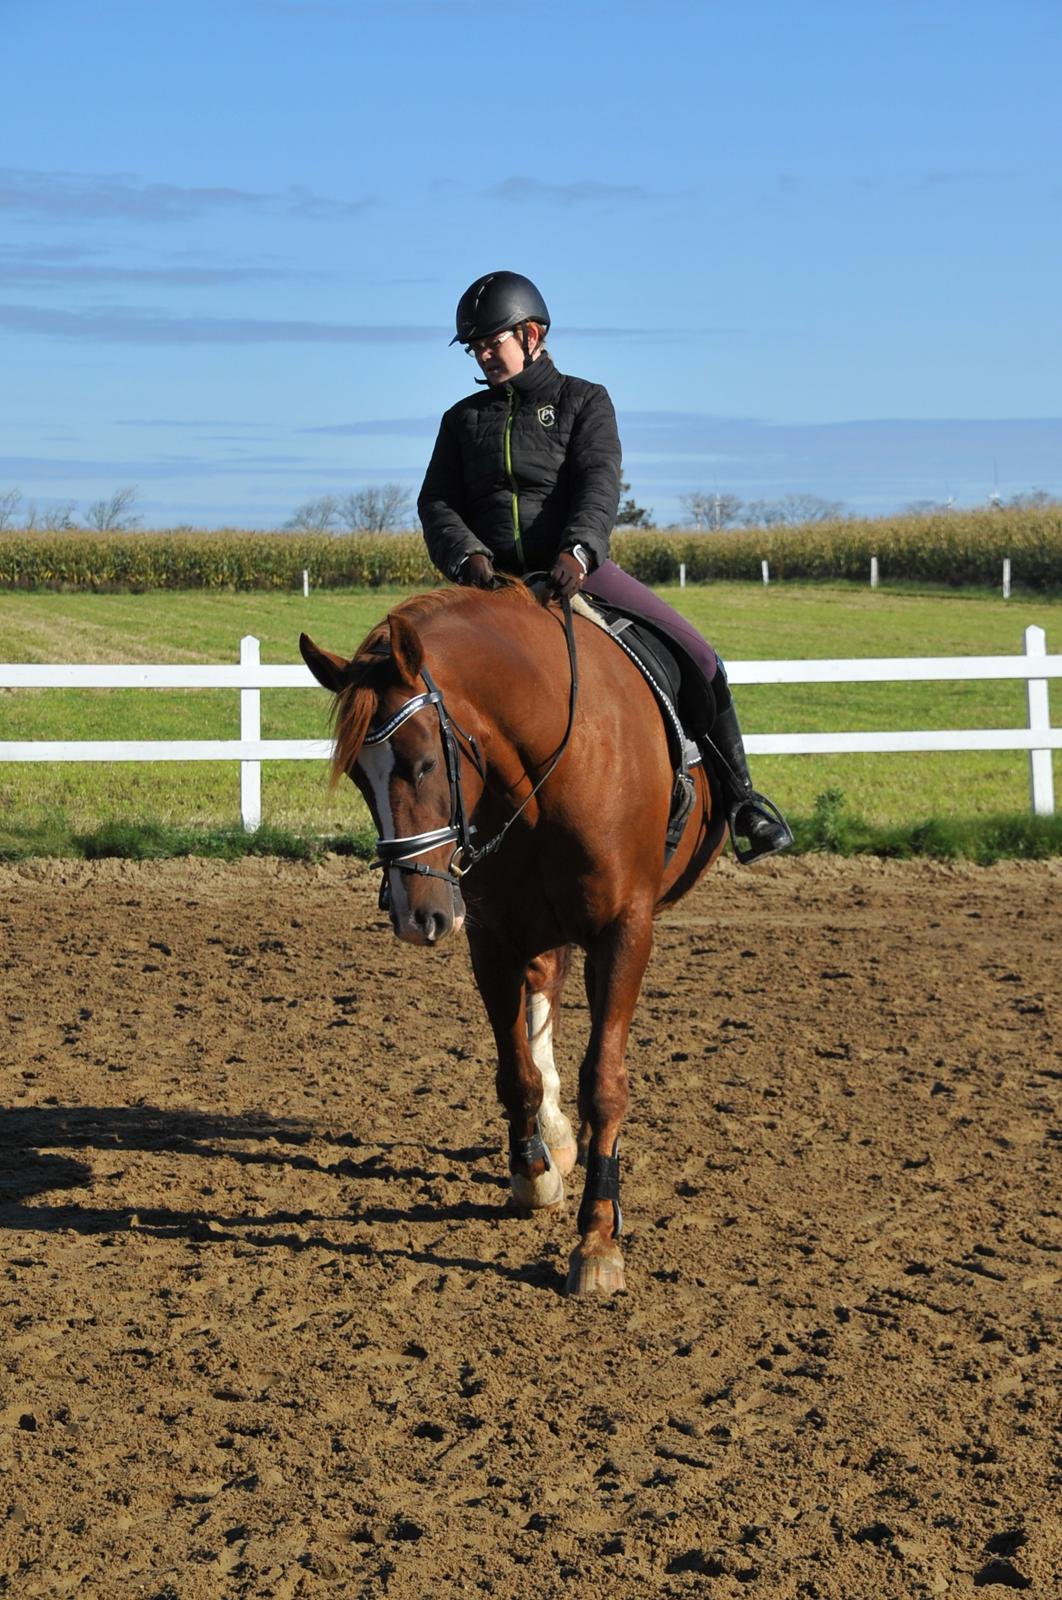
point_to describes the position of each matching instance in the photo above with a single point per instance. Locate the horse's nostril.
(432, 924)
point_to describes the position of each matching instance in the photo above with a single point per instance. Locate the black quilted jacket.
(522, 471)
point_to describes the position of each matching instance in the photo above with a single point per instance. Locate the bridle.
(400, 853)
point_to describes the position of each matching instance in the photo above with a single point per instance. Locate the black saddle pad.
(669, 663)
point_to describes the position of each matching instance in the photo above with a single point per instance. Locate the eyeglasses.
(479, 347)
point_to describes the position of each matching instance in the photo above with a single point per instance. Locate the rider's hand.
(566, 575)
(477, 572)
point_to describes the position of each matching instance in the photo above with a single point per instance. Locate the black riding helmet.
(497, 301)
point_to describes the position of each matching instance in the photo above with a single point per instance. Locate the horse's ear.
(407, 652)
(329, 670)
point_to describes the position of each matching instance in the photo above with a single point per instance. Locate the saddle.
(682, 693)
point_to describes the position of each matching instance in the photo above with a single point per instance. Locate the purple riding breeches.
(617, 588)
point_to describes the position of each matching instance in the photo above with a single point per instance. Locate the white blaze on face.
(377, 763)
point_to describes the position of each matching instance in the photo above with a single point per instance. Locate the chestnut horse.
(488, 782)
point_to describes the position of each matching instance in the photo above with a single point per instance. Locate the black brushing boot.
(750, 815)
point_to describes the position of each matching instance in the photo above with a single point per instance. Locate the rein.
(401, 853)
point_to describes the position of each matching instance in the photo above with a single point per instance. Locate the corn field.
(956, 548)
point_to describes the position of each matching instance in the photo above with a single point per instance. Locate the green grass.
(53, 807)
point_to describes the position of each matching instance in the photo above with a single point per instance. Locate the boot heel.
(772, 836)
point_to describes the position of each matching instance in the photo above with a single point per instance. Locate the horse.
(492, 786)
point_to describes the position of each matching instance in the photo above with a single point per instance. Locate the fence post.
(250, 728)
(873, 572)
(765, 573)
(682, 574)
(1041, 777)
(1006, 577)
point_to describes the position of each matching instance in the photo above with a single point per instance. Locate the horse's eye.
(425, 768)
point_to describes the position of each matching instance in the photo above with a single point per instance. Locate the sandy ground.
(267, 1329)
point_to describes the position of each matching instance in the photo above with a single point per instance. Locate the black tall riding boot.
(750, 815)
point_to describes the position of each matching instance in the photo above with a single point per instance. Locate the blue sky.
(808, 248)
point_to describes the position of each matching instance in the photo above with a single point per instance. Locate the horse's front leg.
(619, 957)
(544, 982)
(535, 1178)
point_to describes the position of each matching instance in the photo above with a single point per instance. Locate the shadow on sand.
(32, 1162)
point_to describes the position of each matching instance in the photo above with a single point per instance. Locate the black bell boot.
(750, 815)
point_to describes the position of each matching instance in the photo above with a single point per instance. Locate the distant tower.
(995, 499)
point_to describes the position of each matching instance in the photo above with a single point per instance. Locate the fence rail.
(250, 677)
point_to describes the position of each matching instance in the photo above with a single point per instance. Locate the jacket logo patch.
(547, 416)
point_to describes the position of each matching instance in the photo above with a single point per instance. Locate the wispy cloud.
(125, 325)
(872, 464)
(131, 325)
(337, 9)
(395, 428)
(190, 422)
(945, 179)
(588, 191)
(126, 197)
(41, 471)
(29, 268)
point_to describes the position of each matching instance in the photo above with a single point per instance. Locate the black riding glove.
(566, 575)
(477, 572)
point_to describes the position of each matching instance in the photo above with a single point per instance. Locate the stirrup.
(770, 812)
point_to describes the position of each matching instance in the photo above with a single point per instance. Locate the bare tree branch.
(113, 515)
(711, 510)
(58, 519)
(10, 500)
(792, 510)
(314, 516)
(379, 508)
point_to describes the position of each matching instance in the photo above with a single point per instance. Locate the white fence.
(251, 677)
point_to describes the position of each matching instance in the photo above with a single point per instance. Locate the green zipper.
(509, 473)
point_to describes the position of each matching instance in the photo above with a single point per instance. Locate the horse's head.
(393, 749)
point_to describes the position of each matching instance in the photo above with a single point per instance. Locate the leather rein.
(400, 853)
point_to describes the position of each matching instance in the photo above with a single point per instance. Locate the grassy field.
(47, 802)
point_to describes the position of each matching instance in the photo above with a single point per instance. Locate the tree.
(57, 519)
(114, 514)
(10, 500)
(314, 516)
(762, 514)
(631, 515)
(1032, 500)
(792, 510)
(379, 508)
(711, 510)
(925, 508)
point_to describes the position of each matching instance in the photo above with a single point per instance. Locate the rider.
(525, 476)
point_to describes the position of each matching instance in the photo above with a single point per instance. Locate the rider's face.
(502, 356)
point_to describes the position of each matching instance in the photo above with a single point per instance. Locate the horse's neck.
(492, 664)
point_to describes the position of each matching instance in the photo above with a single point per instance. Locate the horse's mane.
(371, 671)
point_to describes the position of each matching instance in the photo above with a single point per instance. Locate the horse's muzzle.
(430, 919)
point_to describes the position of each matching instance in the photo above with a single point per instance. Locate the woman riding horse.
(525, 476)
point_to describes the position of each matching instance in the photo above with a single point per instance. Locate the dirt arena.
(268, 1330)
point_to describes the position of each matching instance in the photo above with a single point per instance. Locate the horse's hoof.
(544, 1193)
(564, 1157)
(560, 1139)
(596, 1270)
